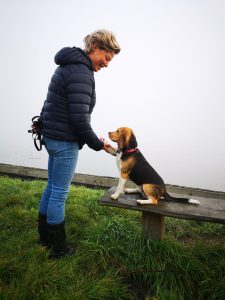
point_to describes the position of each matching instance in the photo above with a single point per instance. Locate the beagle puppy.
(134, 166)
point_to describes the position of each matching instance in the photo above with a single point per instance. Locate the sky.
(167, 84)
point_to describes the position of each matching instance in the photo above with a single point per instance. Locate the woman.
(66, 128)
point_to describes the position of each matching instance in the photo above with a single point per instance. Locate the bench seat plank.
(209, 210)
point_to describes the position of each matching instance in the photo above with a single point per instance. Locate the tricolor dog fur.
(134, 166)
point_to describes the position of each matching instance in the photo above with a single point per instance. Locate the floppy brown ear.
(132, 142)
(122, 141)
(127, 140)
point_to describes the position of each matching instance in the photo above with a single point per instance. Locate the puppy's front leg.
(108, 148)
(120, 188)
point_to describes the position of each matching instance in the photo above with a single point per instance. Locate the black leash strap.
(37, 141)
(36, 132)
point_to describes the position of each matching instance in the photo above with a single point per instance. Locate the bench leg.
(153, 226)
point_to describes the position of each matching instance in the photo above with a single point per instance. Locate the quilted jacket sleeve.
(81, 100)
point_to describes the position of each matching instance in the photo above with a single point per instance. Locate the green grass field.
(112, 260)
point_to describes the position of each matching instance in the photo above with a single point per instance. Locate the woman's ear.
(94, 46)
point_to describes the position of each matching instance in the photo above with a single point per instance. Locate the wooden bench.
(153, 216)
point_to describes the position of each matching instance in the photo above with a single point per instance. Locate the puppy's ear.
(127, 139)
(132, 141)
(122, 141)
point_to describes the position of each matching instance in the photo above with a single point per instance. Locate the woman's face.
(100, 58)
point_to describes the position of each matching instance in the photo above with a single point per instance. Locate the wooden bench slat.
(209, 210)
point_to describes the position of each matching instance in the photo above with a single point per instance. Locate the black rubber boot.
(43, 230)
(57, 241)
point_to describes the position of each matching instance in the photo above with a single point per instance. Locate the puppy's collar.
(128, 151)
(131, 150)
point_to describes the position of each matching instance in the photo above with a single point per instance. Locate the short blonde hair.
(104, 39)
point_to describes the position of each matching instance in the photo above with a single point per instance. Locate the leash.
(36, 132)
(37, 137)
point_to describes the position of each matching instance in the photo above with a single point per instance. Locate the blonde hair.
(104, 39)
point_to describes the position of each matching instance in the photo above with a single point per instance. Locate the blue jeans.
(61, 167)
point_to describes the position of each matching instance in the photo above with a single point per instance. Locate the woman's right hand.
(106, 145)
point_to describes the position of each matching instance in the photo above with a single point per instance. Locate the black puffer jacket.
(70, 100)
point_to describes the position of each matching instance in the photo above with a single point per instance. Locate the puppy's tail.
(168, 197)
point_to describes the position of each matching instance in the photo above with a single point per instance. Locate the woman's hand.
(106, 145)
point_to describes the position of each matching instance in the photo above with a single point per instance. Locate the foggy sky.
(167, 84)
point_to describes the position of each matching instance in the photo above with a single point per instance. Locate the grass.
(113, 260)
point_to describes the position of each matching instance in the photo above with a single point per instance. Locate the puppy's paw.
(114, 196)
(148, 201)
(108, 148)
(130, 191)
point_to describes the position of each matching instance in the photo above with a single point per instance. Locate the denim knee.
(56, 205)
